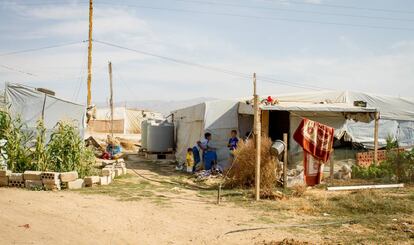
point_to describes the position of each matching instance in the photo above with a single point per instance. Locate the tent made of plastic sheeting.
(216, 117)
(353, 123)
(126, 121)
(31, 105)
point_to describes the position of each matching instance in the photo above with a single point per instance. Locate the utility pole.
(257, 137)
(89, 99)
(111, 99)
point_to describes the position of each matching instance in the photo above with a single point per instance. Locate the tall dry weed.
(242, 172)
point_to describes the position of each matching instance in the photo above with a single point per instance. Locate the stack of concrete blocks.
(108, 174)
(71, 181)
(91, 180)
(16, 180)
(120, 168)
(4, 177)
(33, 179)
(51, 181)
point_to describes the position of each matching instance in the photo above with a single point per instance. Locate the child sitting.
(189, 159)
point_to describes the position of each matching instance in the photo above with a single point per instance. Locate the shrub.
(399, 165)
(67, 152)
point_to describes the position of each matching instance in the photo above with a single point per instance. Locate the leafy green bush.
(381, 171)
(66, 151)
(399, 165)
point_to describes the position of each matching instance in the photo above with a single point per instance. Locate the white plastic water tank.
(160, 136)
(144, 133)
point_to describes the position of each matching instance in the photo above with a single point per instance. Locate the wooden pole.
(377, 116)
(331, 168)
(89, 98)
(111, 99)
(285, 160)
(257, 132)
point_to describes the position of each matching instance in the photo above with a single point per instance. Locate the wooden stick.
(376, 137)
(219, 194)
(285, 160)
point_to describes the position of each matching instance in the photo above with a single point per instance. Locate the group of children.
(208, 159)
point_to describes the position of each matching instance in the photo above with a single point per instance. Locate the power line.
(292, 10)
(238, 74)
(344, 6)
(40, 48)
(262, 17)
(215, 69)
(17, 70)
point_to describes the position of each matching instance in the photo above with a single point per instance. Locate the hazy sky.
(288, 41)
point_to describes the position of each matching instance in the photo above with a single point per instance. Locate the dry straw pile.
(242, 173)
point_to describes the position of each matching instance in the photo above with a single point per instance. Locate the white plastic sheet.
(29, 104)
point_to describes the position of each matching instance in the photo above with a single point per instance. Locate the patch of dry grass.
(242, 173)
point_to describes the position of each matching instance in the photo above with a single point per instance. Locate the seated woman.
(209, 154)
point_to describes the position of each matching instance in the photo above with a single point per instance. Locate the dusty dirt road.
(38, 217)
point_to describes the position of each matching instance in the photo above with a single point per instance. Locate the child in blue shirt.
(233, 141)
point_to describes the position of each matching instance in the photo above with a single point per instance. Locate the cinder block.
(76, 184)
(69, 176)
(50, 177)
(108, 162)
(32, 175)
(103, 180)
(16, 183)
(4, 181)
(33, 184)
(4, 173)
(52, 186)
(106, 172)
(91, 180)
(120, 165)
(112, 175)
(118, 172)
(16, 177)
(124, 170)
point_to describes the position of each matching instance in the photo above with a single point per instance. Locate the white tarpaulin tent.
(335, 109)
(29, 104)
(216, 117)
(396, 115)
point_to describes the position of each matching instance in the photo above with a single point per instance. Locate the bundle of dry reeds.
(242, 172)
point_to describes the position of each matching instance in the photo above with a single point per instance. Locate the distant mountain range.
(163, 106)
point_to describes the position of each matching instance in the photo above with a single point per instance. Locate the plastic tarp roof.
(397, 114)
(29, 104)
(393, 108)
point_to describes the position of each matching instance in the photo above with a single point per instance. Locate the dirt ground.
(155, 205)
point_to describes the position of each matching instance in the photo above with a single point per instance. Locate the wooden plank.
(285, 161)
(362, 187)
(265, 123)
(376, 137)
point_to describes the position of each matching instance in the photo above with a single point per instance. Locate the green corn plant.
(40, 156)
(67, 152)
(18, 138)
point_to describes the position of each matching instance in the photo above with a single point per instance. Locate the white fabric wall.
(27, 103)
(215, 117)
